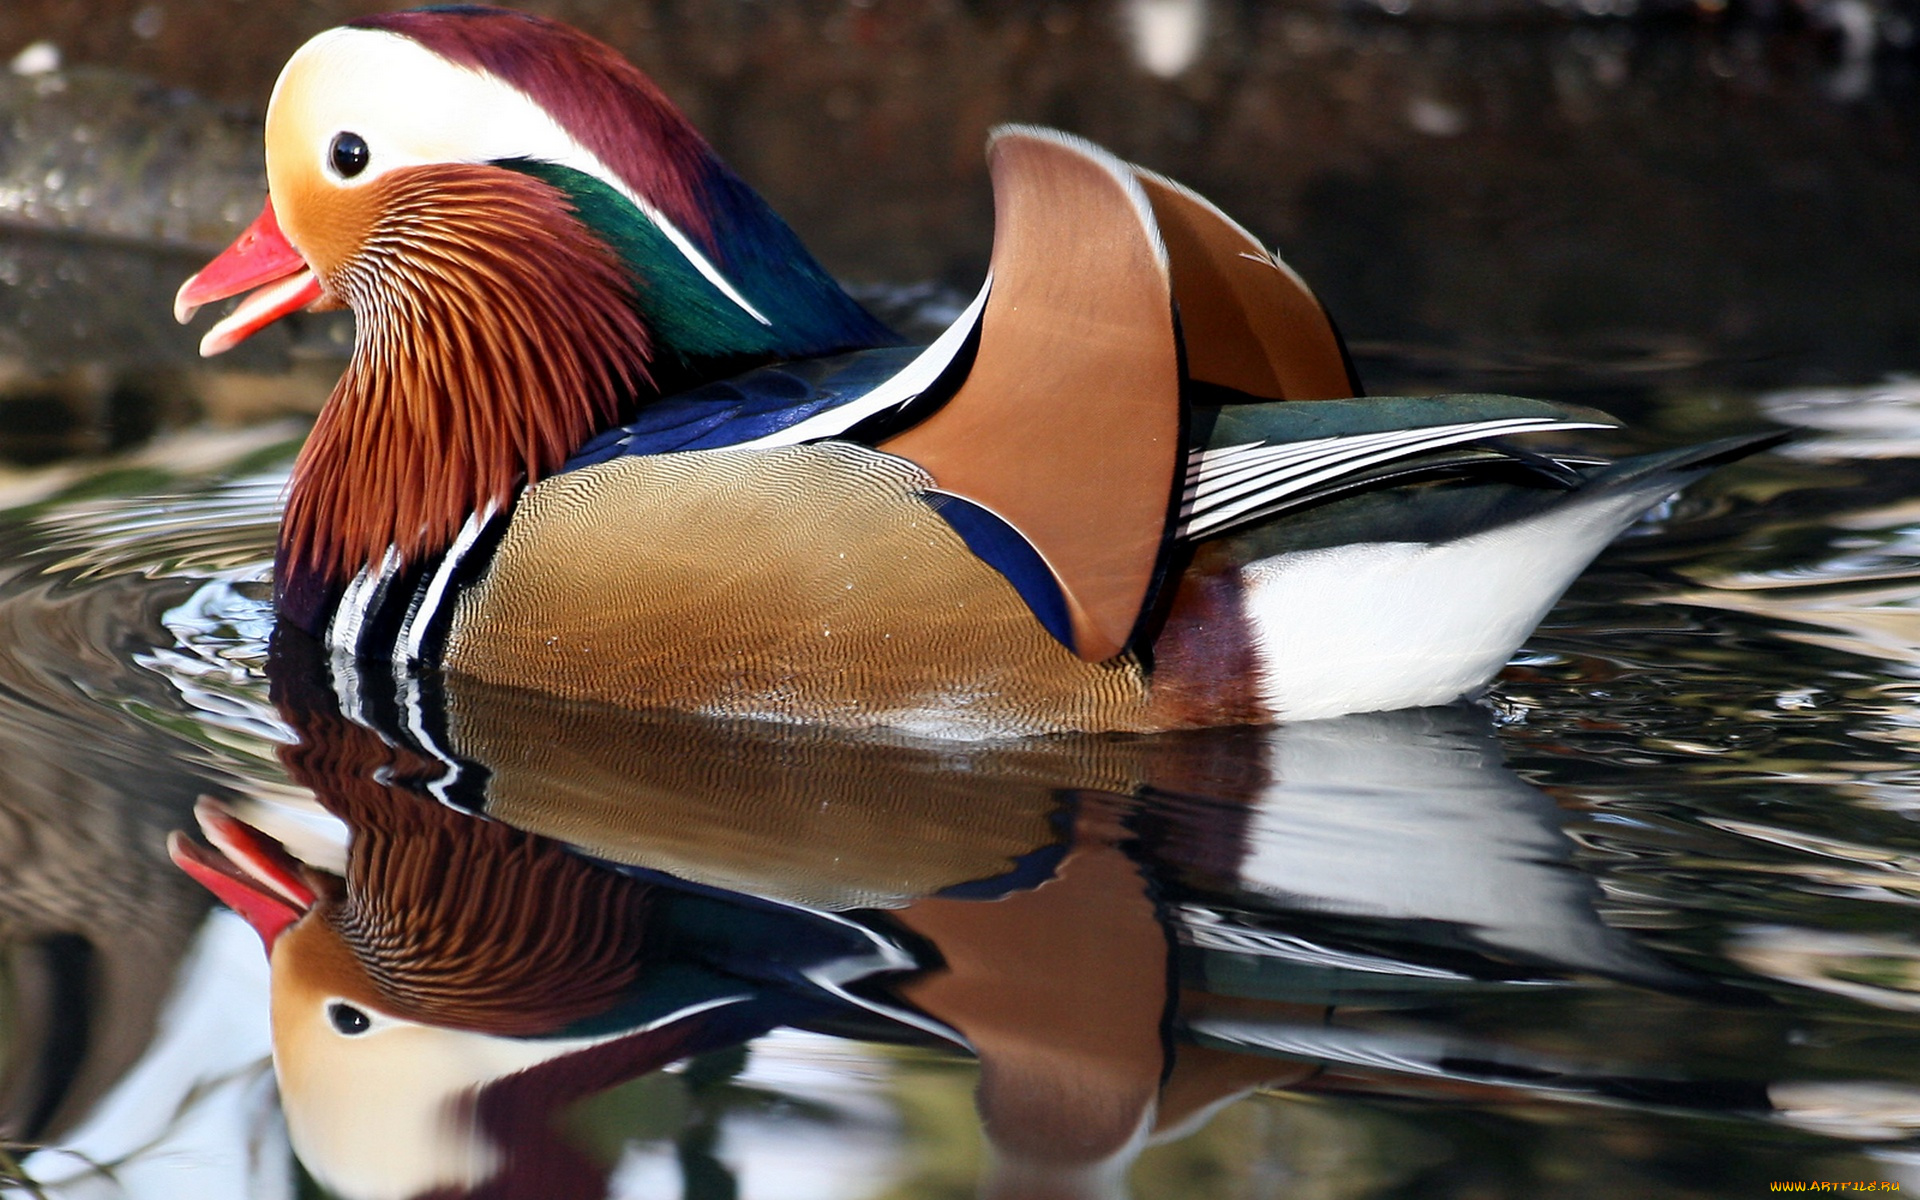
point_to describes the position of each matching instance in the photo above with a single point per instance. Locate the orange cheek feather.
(327, 222)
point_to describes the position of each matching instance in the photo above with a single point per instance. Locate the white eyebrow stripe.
(586, 161)
(686, 247)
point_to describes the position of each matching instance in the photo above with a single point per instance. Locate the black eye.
(349, 154)
(348, 1019)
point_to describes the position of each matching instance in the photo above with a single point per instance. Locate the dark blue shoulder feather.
(1007, 550)
(747, 407)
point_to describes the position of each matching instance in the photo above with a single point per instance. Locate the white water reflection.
(1875, 969)
(1859, 591)
(1875, 421)
(193, 1118)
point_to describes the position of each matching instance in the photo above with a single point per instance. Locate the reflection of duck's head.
(398, 1001)
(447, 988)
(550, 942)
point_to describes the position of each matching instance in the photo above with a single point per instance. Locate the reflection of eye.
(348, 1019)
(349, 154)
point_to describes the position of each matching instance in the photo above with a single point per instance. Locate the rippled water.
(1638, 923)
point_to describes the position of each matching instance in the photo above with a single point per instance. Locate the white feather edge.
(413, 631)
(920, 374)
(1218, 482)
(902, 388)
(1123, 172)
(1255, 250)
(1249, 479)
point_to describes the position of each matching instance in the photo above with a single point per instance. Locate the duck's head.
(379, 131)
(531, 238)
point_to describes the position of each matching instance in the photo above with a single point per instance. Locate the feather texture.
(554, 942)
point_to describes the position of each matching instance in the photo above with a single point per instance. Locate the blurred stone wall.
(1488, 191)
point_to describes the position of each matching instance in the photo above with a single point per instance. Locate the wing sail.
(1247, 321)
(1068, 427)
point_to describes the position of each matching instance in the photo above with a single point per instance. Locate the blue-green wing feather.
(693, 322)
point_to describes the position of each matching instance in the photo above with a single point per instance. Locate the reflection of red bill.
(262, 258)
(250, 873)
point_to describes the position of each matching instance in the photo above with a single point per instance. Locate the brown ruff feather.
(458, 921)
(476, 925)
(495, 333)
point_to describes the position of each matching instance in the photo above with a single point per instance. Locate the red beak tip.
(244, 871)
(260, 258)
(183, 309)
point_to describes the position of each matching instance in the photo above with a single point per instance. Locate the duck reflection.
(540, 900)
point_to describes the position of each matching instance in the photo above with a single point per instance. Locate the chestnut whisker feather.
(495, 333)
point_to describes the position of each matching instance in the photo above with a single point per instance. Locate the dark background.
(1489, 194)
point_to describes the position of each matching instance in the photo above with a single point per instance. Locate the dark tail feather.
(1689, 460)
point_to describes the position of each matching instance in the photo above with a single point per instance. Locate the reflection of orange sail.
(1061, 992)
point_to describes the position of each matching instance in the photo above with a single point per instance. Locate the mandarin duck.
(608, 431)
